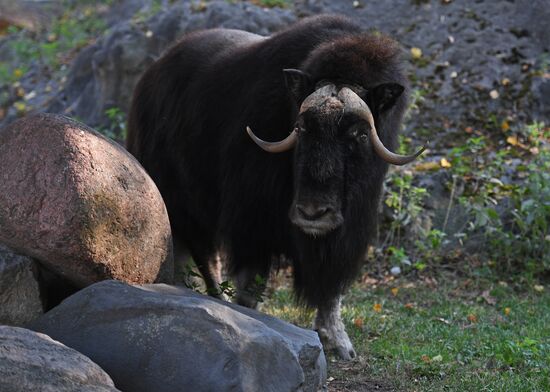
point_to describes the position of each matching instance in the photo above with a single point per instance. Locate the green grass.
(443, 338)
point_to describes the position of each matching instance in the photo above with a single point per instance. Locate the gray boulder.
(165, 338)
(34, 362)
(19, 291)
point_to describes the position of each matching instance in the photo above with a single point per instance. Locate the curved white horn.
(283, 145)
(354, 104)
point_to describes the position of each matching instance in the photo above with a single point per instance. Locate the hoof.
(337, 342)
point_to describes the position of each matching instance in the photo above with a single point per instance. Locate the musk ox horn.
(283, 145)
(354, 104)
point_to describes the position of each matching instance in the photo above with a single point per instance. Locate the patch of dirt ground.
(353, 377)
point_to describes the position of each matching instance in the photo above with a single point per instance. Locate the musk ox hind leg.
(328, 324)
(211, 271)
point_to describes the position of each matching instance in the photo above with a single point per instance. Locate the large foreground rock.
(33, 362)
(80, 203)
(164, 338)
(19, 291)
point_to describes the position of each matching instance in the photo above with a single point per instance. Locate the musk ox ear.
(385, 95)
(298, 83)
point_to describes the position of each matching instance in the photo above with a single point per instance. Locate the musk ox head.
(334, 129)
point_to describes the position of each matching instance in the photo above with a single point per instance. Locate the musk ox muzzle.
(315, 218)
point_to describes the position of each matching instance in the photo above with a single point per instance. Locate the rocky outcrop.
(80, 204)
(468, 48)
(33, 362)
(104, 75)
(19, 290)
(166, 338)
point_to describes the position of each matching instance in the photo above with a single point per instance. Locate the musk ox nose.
(315, 218)
(312, 212)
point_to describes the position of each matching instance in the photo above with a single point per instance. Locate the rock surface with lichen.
(80, 204)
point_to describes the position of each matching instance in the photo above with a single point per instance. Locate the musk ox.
(269, 146)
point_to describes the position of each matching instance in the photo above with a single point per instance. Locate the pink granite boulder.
(81, 204)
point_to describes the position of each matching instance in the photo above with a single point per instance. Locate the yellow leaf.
(358, 322)
(437, 358)
(445, 163)
(472, 318)
(426, 166)
(416, 53)
(505, 126)
(394, 291)
(425, 359)
(409, 305)
(538, 288)
(17, 72)
(507, 311)
(505, 82)
(20, 106)
(377, 308)
(513, 140)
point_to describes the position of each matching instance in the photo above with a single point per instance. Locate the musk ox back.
(274, 146)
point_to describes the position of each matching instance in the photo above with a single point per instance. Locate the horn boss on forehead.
(315, 99)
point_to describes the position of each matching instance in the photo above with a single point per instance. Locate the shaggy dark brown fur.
(187, 127)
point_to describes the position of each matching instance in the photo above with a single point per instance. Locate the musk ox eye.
(363, 138)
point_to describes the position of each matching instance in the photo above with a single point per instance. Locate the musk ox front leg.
(250, 286)
(249, 270)
(328, 324)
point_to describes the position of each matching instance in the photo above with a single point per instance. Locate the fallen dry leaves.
(416, 53)
(445, 163)
(427, 166)
(358, 322)
(505, 126)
